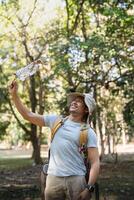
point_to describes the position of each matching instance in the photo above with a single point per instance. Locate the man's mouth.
(74, 107)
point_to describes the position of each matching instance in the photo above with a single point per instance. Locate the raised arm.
(24, 111)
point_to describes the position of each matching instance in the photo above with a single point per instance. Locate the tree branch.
(77, 16)
(30, 16)
(19, 122)
(68, 18)
(28, 55)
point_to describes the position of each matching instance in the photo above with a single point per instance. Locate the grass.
(15, 163)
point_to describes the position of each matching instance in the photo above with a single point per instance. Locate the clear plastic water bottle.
(29, 70)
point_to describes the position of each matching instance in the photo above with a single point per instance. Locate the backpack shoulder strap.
(83, 135)
(83, 132)
(57, 124)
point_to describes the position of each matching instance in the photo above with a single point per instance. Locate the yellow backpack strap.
(83, 135)
(83, 142)
(57, 124)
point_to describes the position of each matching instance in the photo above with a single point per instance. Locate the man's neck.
(75, 118)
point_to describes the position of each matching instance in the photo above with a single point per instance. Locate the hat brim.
(73, 95)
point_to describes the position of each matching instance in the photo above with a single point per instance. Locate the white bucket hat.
(88, 99)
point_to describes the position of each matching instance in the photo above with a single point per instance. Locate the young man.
(66, 171)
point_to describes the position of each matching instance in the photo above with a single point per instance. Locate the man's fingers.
(13, 84)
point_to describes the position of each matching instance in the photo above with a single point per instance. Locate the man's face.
(78, 106)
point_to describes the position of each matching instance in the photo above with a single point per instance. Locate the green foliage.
(2, 96)
(87, 47)
(129, 116)
(3, 126)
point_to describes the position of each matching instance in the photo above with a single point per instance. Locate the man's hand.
(84, 195)
(37, 61)
(13, 88)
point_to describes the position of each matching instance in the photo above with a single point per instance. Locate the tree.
(96, 57)
(25, 45)
(88, 47)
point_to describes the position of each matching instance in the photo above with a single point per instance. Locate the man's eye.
(79, 101)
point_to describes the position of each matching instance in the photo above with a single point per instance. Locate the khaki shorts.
(64, 188)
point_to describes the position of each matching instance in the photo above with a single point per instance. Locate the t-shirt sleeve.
(92, 138)
(49, 120)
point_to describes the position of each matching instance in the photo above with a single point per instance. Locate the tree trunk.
(34, 137)
(100, 131)
(36, 146)
(109, 143)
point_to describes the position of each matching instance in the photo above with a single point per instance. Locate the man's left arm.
(93, 157)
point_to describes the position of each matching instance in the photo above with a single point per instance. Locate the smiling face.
(78, 106)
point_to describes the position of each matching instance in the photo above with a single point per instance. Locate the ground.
(116, 180)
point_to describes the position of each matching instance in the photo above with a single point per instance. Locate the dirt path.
(20, 184)
(116, 181)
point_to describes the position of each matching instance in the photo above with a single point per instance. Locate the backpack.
(83, 139)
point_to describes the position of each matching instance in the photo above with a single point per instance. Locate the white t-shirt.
(65, 159)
